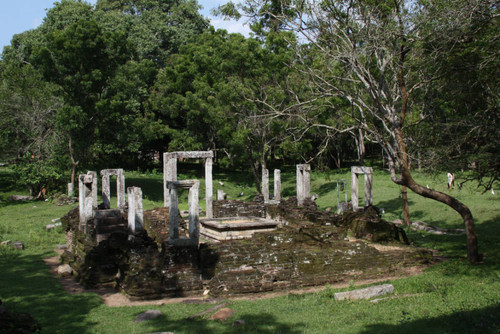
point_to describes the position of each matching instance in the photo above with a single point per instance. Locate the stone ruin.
(368, 173)
(194, 223)
(238, 247)
(120, 187)
(170, 174)
(277, 186)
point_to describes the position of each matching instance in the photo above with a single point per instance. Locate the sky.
(17, 16)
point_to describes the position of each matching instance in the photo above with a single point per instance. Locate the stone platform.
(230, 228)
(301, 247)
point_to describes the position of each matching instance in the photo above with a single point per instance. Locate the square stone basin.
(229, 228)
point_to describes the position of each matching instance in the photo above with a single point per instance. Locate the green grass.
(452, 297)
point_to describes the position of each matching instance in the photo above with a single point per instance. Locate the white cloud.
(232, 26)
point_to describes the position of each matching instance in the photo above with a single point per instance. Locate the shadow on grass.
(5, 201)
(325, 188)
(27, 286)
(152, 188)
(7, 180)
(253, 323)
(395, 206)
(485, 320)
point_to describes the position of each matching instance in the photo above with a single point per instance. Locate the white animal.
(451, 180)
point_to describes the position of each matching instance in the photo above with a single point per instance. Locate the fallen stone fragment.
(148, 315)
(203, 301)
(213, 308)
(366, 293)
(422, 226)
(20, 198)
(18, 245)
(238, 322)
(222, 314)
(64, 270)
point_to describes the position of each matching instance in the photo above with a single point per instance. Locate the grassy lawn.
(452, 297)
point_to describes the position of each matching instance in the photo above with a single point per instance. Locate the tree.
(28, 108)
(367, 51)
(30, 103)
(214, 96)
(156, 28)
(465, 93)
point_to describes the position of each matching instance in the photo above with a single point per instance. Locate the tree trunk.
(419, 160)
(73, 162)
(256, 175)
(406, 206)
(407, 180)
(462, 209)
(360, 146)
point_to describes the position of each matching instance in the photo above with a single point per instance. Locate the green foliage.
(466, 112)
(39, 175)
(156, 28)
(28, 107)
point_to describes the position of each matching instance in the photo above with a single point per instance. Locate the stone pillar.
(300, 182)
(193, 209)
(209, 188)
(94, 188)
(307, 181)
(303, 183)
(120, 189)
(88, 212)
(194, 213)
(87, 195)
(277, 185)
(220, 195)
(71, 190)
(81, 196)
(169, 174)
(354, 191)
(173, 211)
(265, 184)
(106, 192)
(135, 209)
(368, 189)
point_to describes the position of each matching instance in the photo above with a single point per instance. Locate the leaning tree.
(369, 54)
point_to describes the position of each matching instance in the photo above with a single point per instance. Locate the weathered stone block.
(366, 293)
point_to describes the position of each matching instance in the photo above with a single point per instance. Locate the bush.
(41, 176)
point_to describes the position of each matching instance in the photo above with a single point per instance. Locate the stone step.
(110, 228)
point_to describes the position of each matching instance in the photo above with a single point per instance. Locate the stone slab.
(366, 293)
(191, 154)
(361, 170)
(148, 315)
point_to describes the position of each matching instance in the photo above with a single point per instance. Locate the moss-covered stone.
(368, 224)
(310, 248)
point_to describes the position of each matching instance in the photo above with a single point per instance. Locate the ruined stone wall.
(236, 208)
(310, 248)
